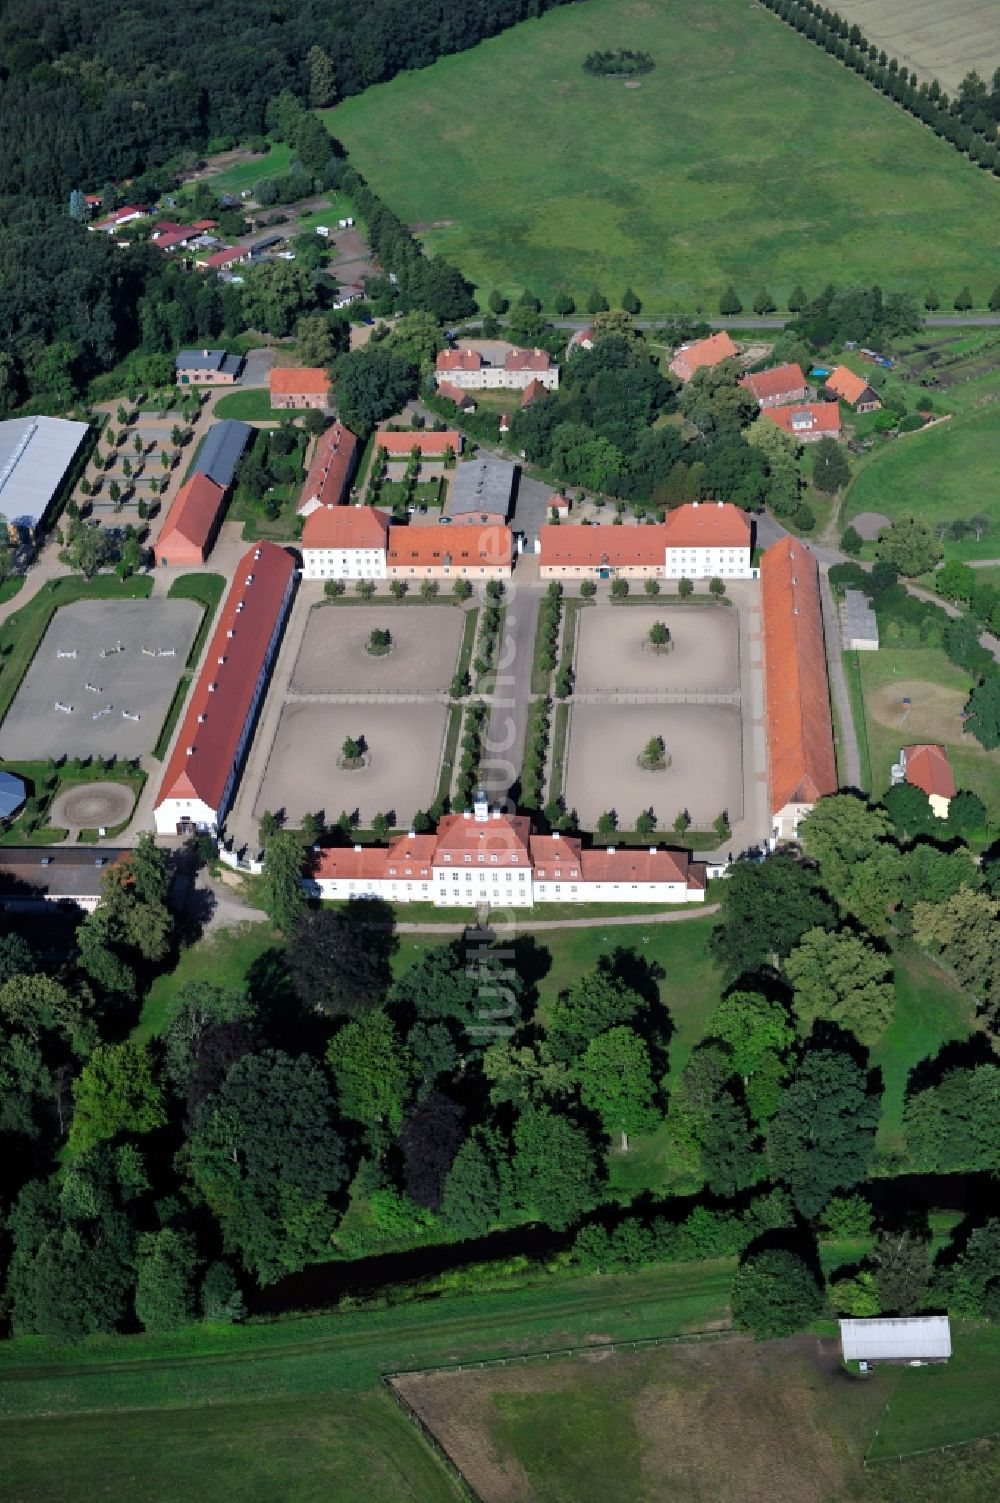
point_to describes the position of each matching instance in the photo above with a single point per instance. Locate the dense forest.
(92, 90)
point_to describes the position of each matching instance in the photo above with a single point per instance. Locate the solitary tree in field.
(763, 302)
(630, 302)
(597, 302)
(797, 298)
(830, 469)
(563, 304)
(932, 300)
(963, 301)
(729, 303)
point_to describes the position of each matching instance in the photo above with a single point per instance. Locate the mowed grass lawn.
(942, 1405)
(748, 156)
(941, 474)
(356, 1449)
(938, 691)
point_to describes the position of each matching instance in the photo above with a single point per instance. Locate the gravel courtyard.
(405, 745)
(612, 649)
(101, 694)
(705, 775)
(424, 656)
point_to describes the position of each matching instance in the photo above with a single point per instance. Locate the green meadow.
(747, 156)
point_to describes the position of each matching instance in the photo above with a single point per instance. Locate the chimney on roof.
(611, 850)
(357, 848)
(481, 806)
(205, 353)
(211, 688)
(555, 834)
(694, 503)
(652, 850)
(719, 503)
(190, 751)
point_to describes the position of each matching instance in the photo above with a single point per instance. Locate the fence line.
(546, 1354)
(454, 1471)
(951, 1445)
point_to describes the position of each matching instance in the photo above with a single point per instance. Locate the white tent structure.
(35, 453)
(910, 1338)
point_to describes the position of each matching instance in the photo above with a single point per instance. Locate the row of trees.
(969, 121)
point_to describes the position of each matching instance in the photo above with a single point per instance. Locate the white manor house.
(486, 857)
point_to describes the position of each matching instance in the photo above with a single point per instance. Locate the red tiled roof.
(299, 380)
(532, 392)
(398, 445)
(526, 360)
(575, 544)
(224, 257)
(558, 502)
(707, 524)
(774, 382)
(220, 704)
(848, 386)
(710, 351)
(628, 865)
(332, 466)
(799, 725)
(555, 858)
(458, 360)
(928, 768)
(455, 394)
(204, 224)
(345, 527)
(504, 835)
(491, 545)
(806, 417)
(407, 856)
(169, 238)
(193, 515)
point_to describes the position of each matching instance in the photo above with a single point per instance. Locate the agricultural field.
(720, 1420)
(729, 163)
(942, 39)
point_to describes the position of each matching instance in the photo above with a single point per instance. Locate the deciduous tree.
(820, 1139)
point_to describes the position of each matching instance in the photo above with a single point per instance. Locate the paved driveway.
(257, 367)
(531, 507)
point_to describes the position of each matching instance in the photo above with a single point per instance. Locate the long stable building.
(701, 540)
(198, 783)
(493, 858)
(801, 762)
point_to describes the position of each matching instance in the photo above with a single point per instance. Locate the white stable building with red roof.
(467, 369)
(345, 542)
(486, 857)
(700, 540)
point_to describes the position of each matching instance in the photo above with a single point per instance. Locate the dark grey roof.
(232, 364)
(481, 485)
(222, 450)
(200, 360)
(55, 871)
(12, 793)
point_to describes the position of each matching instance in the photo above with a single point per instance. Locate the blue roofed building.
(221, 451)
(208, 368)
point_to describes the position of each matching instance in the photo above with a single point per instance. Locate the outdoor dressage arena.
(426, 641)
(704, 743)
(613, 649)
(400, 775)
(92, 806)
(68, 669)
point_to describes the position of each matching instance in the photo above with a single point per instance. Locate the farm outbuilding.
(910, 1338)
